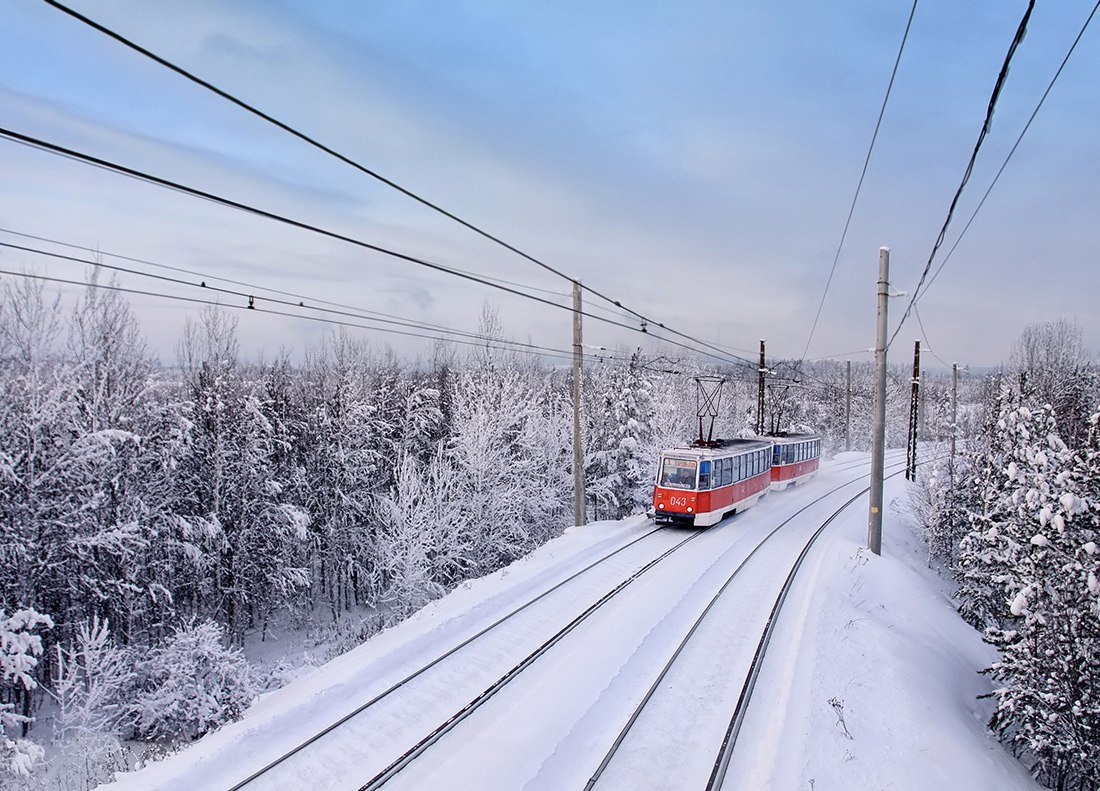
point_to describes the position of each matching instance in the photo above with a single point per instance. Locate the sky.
(694, 161)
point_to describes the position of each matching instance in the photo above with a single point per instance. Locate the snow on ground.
(882, 690)
(870, 681)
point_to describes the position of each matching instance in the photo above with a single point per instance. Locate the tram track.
(733, 730)
(425, 743)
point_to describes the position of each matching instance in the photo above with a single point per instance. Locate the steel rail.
(729, 741)
(418, 749)
(285, 756)
(397, 685)
(617, 743)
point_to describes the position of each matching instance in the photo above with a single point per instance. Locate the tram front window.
(677, 474)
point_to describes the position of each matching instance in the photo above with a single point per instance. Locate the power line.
(488, 342)
(358, 166)
(251, 298)
(924, 334)
(862, 175)
(139, 175)
(203, 275)
(1010, 153)
(834, 356)
(1001, 76)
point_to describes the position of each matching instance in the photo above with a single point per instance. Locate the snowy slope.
(877, 636)
(880, 680)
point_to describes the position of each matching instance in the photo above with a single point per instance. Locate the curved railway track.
(726, 750)
(422, 746)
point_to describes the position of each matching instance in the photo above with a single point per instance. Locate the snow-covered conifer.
(189, 685)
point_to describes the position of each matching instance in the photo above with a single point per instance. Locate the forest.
(158, 517)
(1015, 518)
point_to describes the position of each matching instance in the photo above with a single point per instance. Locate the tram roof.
(722, 447)
(784, 437)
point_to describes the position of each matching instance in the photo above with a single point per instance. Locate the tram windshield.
(677, 474)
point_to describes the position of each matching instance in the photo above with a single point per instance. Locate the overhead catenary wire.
(1021, 30)
(205, 276)
(254, 286)
(68, 153)
(645, 320)
(862, 176)
(498, 344)
(1004, 164)
(924, 334)
(252, 296)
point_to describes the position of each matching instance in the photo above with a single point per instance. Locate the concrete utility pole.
(578, 451)
(760, 392)
(914, 416)
(848, 409)
(922, 415)
(878, 422)
(954, 412)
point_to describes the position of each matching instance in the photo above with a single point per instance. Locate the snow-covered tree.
(631, 451)
(92, 682)
(342, 452)
(1048, 685)
(20, 651)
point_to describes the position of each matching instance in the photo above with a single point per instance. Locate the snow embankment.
(882, 680)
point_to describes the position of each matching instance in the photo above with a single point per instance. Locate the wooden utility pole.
(760, 392)
(578, 451)
(914, 415)
(878, 421)
(848, 409)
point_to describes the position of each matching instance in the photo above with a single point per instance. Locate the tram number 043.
(678, 501)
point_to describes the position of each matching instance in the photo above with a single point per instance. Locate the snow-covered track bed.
(495, 640)
(679, 721)
(401, 685)
(497, 720)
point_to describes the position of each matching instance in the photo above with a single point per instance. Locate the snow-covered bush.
(86, 761)
(92, 684)
(190, 685)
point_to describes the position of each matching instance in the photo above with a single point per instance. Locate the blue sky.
(695, 160)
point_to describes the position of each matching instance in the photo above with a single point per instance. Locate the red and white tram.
(700, 485)
(795, 458)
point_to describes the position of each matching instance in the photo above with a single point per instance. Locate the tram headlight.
(690, 509)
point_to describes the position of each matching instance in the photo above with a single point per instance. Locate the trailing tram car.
(795, 458)
(701, 484)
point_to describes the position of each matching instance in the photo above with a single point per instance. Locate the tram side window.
(704, 475)
(777, 454)
(727, 472)
(739, 469)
